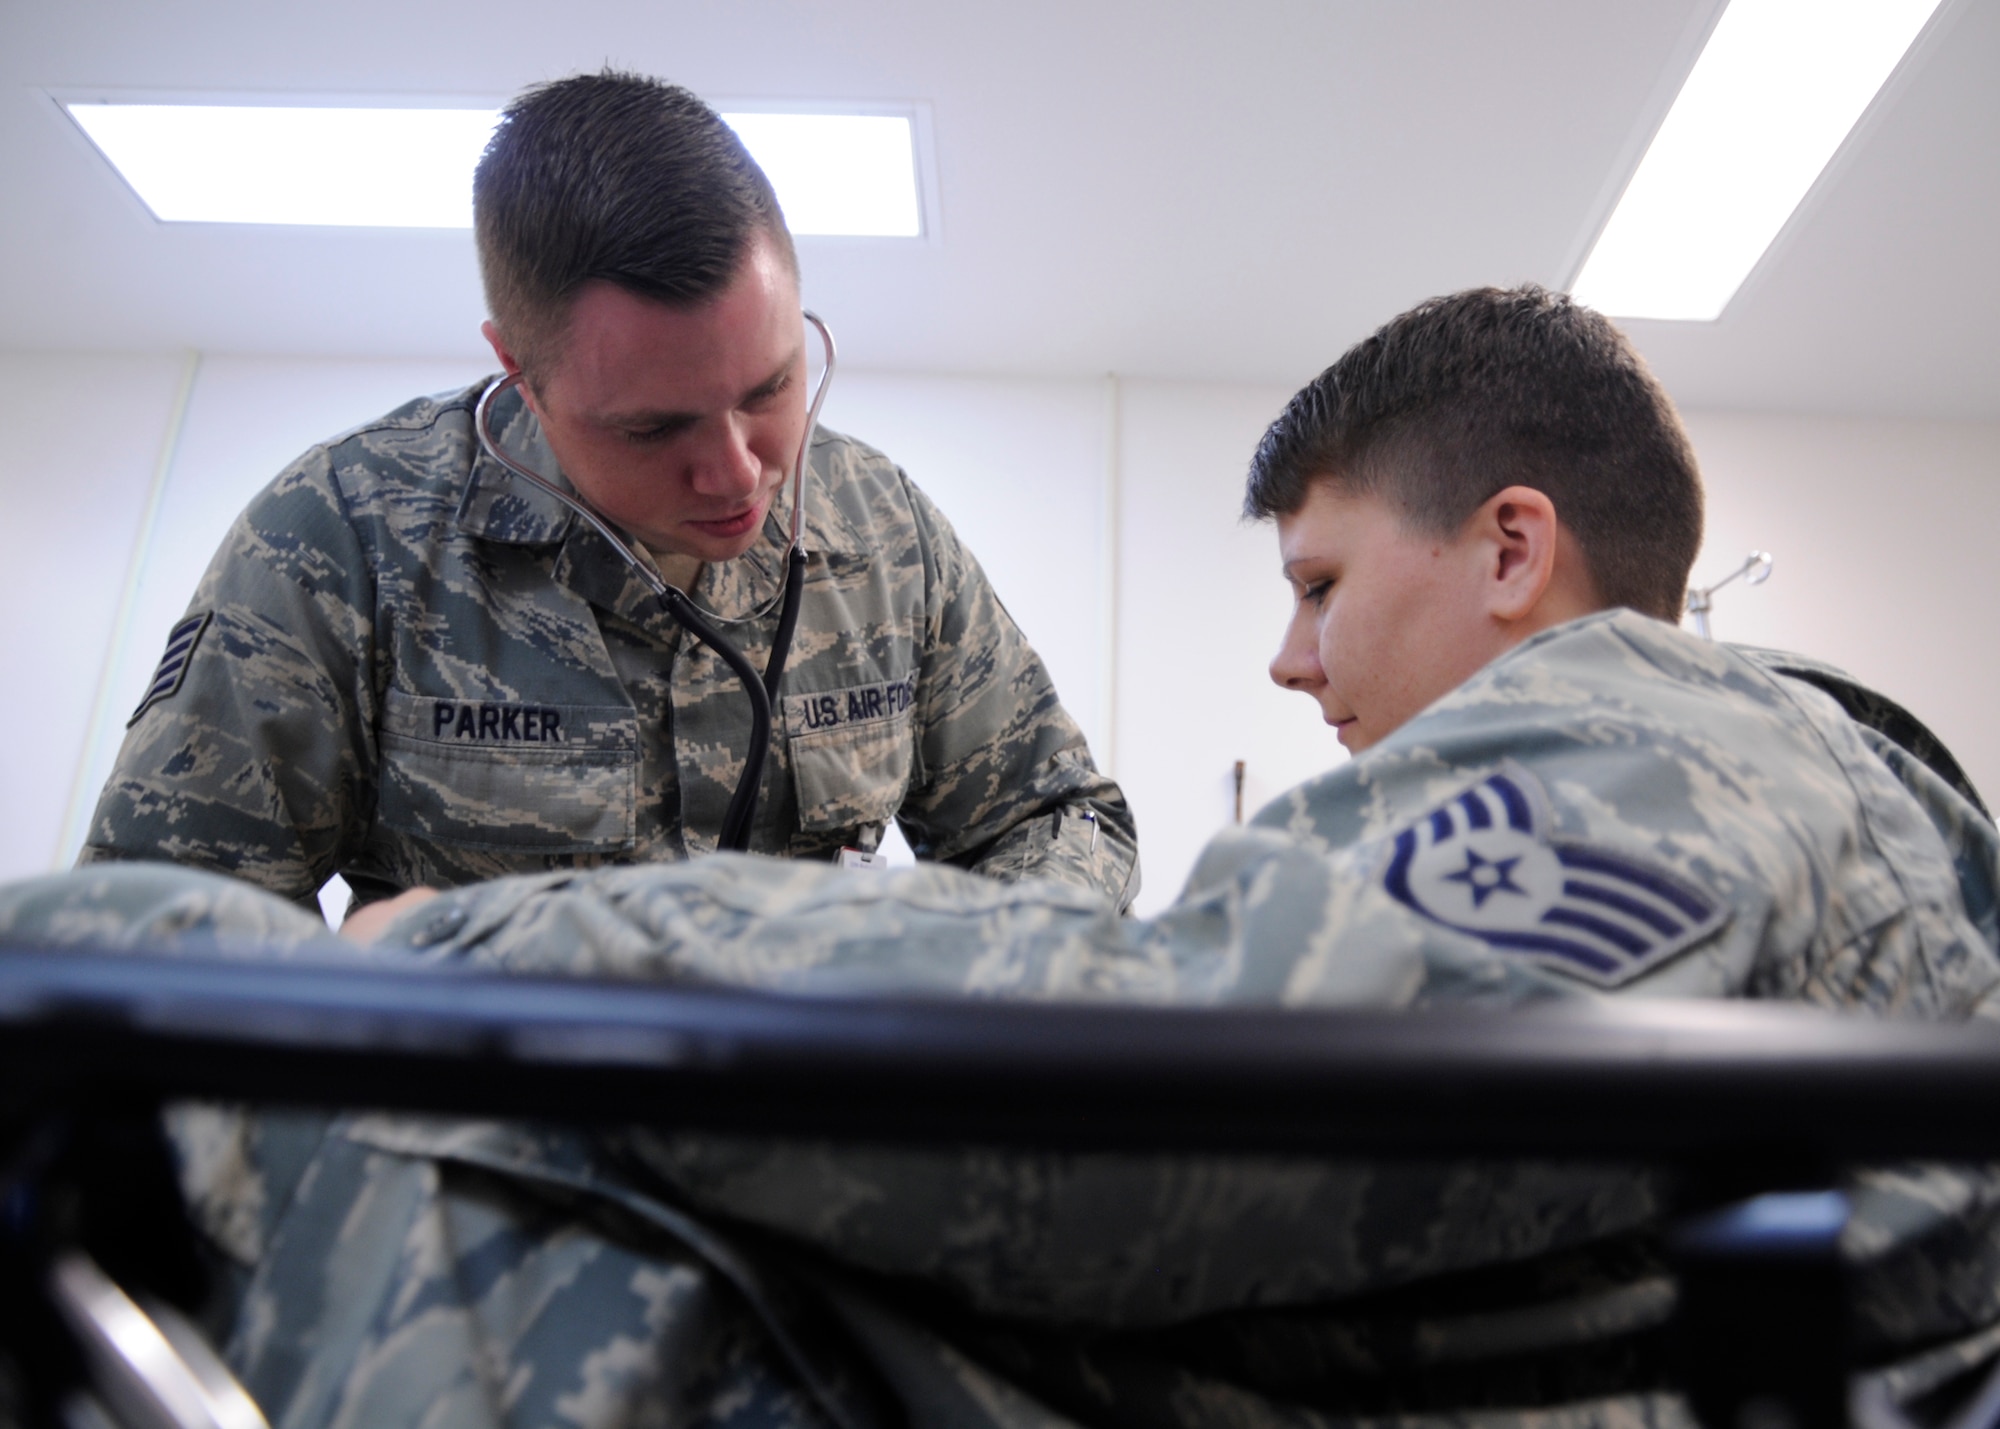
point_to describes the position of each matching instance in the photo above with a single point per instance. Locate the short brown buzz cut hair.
(616, 177)
(1465, 395)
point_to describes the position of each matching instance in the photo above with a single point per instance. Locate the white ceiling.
(1206, 191)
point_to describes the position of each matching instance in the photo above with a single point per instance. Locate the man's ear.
(1520, 534)
(507, 362)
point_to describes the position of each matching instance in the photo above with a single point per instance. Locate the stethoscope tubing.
(761, 690)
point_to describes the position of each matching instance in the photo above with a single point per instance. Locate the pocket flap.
(851, 775)
(510, 775)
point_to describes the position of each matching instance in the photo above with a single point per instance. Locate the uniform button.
(439, 928)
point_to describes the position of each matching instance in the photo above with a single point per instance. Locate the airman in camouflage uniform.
(408, 667)
(411, 669)
(1721, 831)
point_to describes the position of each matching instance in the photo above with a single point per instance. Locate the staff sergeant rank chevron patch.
(173, 666)
(1484, 864)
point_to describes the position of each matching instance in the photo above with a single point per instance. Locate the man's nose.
(728, 466)
(1296, 665)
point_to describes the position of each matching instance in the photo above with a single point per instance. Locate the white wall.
(1200, 608)
(1886, 536)
(84, 439)
(1105, 510)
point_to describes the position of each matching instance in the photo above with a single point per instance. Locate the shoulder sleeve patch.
(173, 667)
(1483, 863)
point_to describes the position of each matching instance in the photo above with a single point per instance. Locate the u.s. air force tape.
(1483, 863)
(859, 704)
(173, 667)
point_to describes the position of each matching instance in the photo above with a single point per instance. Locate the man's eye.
(647, 436)
(768, 395)
(1315, 593)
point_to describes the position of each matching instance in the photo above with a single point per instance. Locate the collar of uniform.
(589, 565)
(498, 506)
(830, 491)
(731, 592)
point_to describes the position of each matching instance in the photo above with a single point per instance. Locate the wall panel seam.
(83, 799)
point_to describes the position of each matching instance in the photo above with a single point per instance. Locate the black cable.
(743, 803)
(788, 620)
(762, 690)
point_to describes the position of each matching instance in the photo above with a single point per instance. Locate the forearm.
(1084, 837)
(1008, 787)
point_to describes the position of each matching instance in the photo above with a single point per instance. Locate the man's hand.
(365, 924)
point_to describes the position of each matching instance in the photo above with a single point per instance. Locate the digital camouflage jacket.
(1612, 810)
(408, 668)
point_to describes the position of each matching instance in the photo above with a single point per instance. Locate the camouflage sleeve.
(1008, 787)
(1267, 919)
(254, 747)
(1109, 1238)
(1969, 836)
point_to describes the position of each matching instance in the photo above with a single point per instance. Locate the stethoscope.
(762, 689)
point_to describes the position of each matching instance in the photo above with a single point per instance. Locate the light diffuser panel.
(845, 174)
(367, 168)
(1777, 88)
(838, 174)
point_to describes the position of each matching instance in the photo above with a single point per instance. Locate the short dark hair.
(1466, 395)
(616, 177)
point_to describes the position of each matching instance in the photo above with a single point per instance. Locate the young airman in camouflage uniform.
(1602, 807)
(411, 669)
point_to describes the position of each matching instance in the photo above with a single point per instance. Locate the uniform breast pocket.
(509, 776)
(851, 775)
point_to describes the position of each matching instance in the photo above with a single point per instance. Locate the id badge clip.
(865, 858)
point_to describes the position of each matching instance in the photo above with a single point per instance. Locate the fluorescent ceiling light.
(1777, 88)
(367, 168)
(852, 174)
